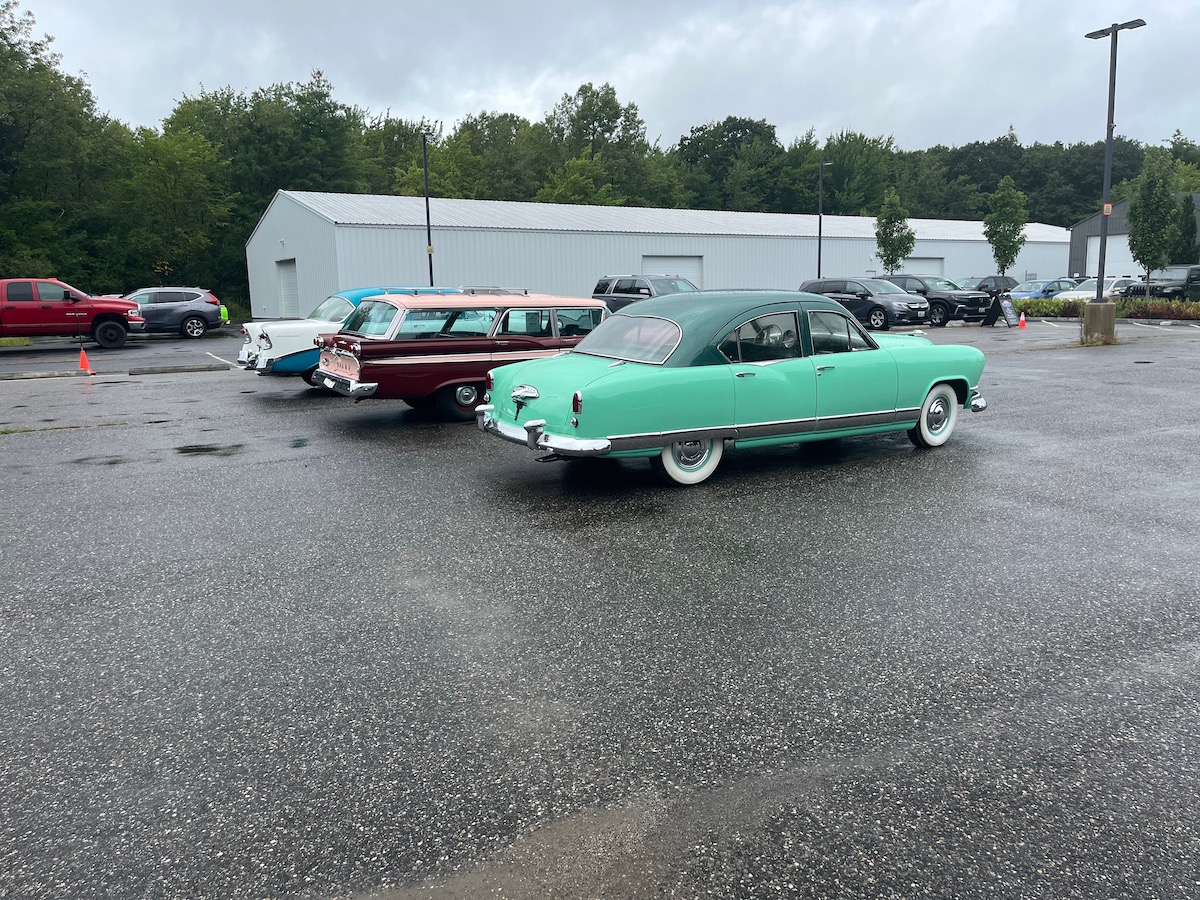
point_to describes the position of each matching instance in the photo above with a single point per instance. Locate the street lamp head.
(1105, 32)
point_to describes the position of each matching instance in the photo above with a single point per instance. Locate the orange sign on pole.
(1108, 209)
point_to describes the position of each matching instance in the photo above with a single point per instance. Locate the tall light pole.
(428, 230)
(1106, 209)
(820, 209)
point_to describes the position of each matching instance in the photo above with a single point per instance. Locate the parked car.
(877, 303)
(677, 380)
(992, 285)
(433, 352)
(619, 291)
(1086, 290)
(286, 346)
(1044, 287)
(947, 301)
(47, 307)
(191, 311)
(1172, 283)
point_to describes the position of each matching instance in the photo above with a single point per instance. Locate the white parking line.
(1044, 322)
(232, 365)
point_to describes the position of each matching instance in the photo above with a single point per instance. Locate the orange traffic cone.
(83, 362)
(1021, 324)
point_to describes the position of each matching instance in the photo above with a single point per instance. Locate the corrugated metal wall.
(289, 231)
(570, 262)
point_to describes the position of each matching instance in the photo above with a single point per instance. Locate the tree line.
(110, 208)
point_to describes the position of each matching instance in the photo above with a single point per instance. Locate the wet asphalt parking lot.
(258, 641)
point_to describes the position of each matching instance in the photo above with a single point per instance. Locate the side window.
(170, 297)
(834, 287)
(625, 286)
(48, 290)
(142, 297)
(471, 323)
(764, 339)
(602, 286)
(641, 286)
(20, 291)
(529, 322)
(575, 322)
(853, 287)
(834, 333)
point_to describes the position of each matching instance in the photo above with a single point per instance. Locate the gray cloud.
(924, 72)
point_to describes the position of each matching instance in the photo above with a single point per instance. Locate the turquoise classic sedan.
(681, 379)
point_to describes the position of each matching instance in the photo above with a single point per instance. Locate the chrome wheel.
(939, 413)
(689, 462)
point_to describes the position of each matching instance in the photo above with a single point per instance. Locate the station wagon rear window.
(645, 339)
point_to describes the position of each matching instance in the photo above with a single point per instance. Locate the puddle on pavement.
(297, 443)
(210, 449)
(101, 460)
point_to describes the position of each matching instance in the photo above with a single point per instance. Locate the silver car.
(191, 311)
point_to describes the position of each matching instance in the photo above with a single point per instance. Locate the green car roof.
(703, 314)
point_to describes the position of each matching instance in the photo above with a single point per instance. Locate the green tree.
(734, 164)
(893, 238)
(1153, 212)
(1185, 252)
(1004, 225)
(582, 180)
(860, 175)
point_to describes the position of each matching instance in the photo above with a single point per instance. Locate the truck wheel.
(193, 327)
(938, 314)
(109, 334)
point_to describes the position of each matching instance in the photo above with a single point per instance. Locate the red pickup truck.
(39, 307)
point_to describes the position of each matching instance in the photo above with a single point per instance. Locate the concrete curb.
(143, 370)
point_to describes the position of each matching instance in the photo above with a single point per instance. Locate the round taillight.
(577, 403)
(488, 382)
(319, 341)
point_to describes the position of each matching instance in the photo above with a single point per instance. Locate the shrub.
(1127, 308)
(1138, 308)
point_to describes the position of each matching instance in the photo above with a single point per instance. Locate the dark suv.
(618, 291)
(992, 285)
(876, 303)
(188, 310)
(947, 301)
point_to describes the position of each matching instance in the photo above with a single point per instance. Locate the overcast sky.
(923, 72)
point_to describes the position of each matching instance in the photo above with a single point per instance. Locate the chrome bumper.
(978, 404)
(359, 390)
(533, 435)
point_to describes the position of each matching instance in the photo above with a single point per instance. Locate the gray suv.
(618, 291)
(876, 303)
(947, 301)
(190, 311)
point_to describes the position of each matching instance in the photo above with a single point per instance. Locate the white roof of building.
(381, 210)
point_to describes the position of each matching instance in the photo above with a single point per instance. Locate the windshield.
(879, 286)
(943, 284)
(645, 339)
(1030, 286)
(1090, 285)
(334, 309)
(372, 317)
(673, 285)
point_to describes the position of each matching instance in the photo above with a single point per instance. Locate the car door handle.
(823, 368)
(745, 374)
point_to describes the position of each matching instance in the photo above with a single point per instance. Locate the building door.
(289, 289)
(690, 267)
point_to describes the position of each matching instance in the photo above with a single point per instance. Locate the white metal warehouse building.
(307, 245)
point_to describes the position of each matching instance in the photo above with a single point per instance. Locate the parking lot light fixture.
(820, 209)
(1106, 209)
(425, 136)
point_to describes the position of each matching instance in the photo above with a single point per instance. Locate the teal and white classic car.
(679, 379)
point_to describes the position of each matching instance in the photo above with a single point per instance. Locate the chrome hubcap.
(690, 454)
(466, 395)
(935, 419)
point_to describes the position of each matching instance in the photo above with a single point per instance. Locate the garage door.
(924, 265)
(289, 289)
(1118, 260)
(690, 267)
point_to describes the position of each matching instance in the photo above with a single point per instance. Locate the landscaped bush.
(1127, 308)
(1131, 308)
(1049, 308)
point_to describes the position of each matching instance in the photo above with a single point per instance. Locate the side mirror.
(864, 295)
